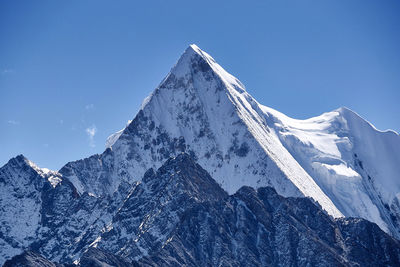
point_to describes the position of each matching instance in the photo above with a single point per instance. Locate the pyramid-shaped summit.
(201, 109)
(338, 159)
(195, 60)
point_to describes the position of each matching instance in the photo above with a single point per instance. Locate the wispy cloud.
(89, 106)
(91, 132)
(7, 71)
(13, 122)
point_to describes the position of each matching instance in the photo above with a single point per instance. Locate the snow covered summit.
(353, 162)
(230, 142)
(201, 109)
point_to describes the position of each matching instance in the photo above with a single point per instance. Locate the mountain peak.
(195, 51)
(196, 62)
(192, 48)
(192, 57)
(345, 112)
(191, 177)
(203, 110)
(19, 161)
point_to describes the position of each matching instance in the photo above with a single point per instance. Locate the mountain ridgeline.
(204, 175)
(179, 215)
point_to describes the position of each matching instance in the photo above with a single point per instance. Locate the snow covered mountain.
(201, 109)
(338, 158)
(356, 165)
(42, 211)
(179, 216)
(130, 200)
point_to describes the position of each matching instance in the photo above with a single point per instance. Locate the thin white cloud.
(89, 106)
(13, 122)
(7, 71)
(91, 132)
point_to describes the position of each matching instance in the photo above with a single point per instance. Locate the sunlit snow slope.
(338, 159)
(355, 164)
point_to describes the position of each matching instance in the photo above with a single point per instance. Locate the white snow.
(341, 170)
(52, 176)
(95, 242)
(328, 147)
(114, 137)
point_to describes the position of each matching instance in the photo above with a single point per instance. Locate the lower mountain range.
(179, 216)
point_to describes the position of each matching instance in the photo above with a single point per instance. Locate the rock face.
(98, 258)
(22, 186)
(43, 212)
(146, 201)
(30, 259)
(178, 215)
(154, 207)
(261, 228)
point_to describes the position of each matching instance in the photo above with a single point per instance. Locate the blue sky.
(73, 72)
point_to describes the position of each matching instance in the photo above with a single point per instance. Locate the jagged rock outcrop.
(43, 212)
(30, 259)
(178, 215)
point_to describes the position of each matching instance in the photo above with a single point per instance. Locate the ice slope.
(356, 165)
(201, 109)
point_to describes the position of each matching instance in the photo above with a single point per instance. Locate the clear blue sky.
(69, 66)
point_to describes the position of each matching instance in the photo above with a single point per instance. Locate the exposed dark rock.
(98, 258)
(179, 216)
(30, 259)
